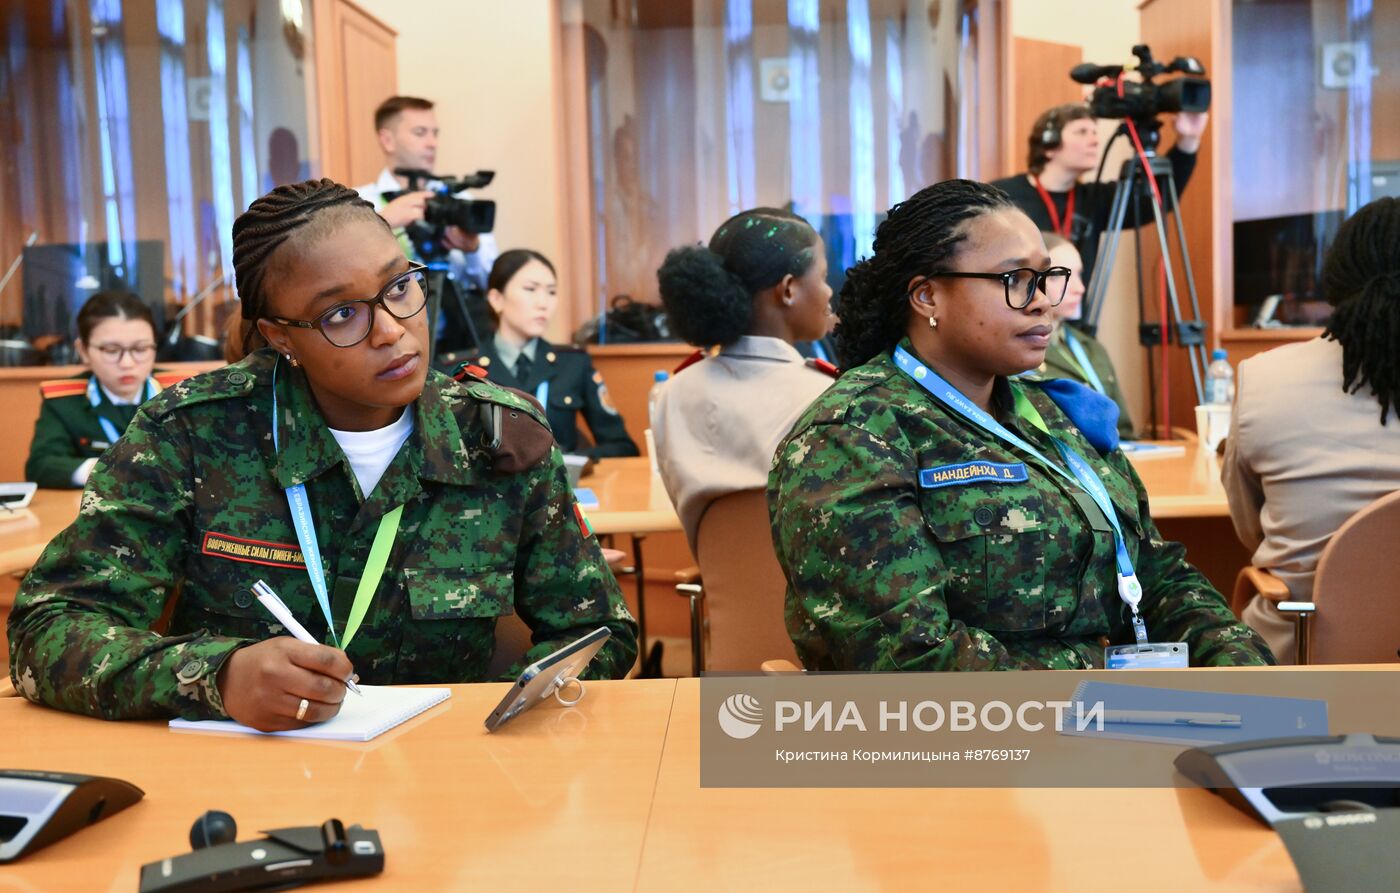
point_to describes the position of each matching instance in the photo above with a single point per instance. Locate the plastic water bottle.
(1220, 379)
(658, 381)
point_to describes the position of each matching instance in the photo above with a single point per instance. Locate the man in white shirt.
(407, 129)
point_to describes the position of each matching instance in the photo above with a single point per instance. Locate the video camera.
(1144, 101)
(445, 209)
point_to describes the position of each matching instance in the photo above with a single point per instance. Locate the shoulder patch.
(63, 387)
(689, 361)
(823, 367)
(470, 371)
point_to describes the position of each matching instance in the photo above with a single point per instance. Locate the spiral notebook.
(361, 718)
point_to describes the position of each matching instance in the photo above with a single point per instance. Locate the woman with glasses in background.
(82, 417)
(397, 513)
(932, 511)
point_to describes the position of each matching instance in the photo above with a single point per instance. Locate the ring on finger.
(302, 708)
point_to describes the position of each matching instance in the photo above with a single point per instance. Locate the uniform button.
(568, 401)
(237, 377)
(243, 598)
(190, 671)
(485, 361)
(549, 356)
(984, 516)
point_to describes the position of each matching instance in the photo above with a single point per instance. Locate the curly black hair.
(918, 237)
(708, 292)
(1361, 279)
(268, 223)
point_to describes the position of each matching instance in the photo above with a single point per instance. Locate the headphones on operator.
(1050, 136)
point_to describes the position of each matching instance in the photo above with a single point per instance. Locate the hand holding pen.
(278, 609)
(283, 683)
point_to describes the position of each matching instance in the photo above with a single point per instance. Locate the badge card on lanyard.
(1142, 654)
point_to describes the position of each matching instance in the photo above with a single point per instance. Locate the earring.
(932, 323)
(291, 359)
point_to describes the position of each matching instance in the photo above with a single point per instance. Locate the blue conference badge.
(972, 472)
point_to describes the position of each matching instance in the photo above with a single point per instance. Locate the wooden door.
(356, 69)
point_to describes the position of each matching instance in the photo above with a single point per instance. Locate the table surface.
(1183, 486)
(24, 534)
(607, 796)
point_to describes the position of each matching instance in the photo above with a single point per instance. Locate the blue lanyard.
(542, 395)
(819, 351)
(307, 539)
(95, 398)
(1129, 589)
(1083, 360)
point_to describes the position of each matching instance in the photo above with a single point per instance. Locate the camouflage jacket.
(967, 566)
(189, 507)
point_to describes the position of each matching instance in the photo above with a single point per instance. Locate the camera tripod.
(1133, 188)
(445, 295)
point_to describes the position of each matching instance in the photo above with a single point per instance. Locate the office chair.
(1354, 616)
(736, 599)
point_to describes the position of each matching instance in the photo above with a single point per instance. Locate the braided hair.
(1361, 279)
(919, 237)
(708, 292)
(268, 223)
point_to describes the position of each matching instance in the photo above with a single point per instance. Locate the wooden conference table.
(607, 796)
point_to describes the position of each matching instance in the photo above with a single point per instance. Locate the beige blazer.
(717, 423)
(1303, 456)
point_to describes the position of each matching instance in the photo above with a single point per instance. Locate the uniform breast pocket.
(993, 539)
(459, 593)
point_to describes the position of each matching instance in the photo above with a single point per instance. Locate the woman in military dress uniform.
(82, 417)
(522, 293)
(933, 512)
(398, 513)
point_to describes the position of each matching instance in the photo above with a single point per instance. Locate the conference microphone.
(28, 243)
(1089, 73)
(173, 335)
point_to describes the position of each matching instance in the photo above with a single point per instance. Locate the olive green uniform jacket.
(68, 431)
(190, 507)
(966, 570)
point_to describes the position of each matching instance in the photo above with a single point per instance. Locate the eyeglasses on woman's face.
(349, 322)
(116, 353)
(1022, 283)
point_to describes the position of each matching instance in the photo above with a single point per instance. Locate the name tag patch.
(971, 472)
(237, 548)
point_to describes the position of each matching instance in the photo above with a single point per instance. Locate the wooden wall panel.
(1039, 80)
(356, 69)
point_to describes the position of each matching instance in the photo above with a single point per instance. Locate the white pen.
(278, 609)
(1166, 718)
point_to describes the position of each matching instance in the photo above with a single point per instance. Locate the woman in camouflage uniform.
(914, 537)
(461, 480)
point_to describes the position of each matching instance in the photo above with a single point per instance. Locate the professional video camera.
(1144, 101)
(444, 209)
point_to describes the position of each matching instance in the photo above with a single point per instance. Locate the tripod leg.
(1103, 266)
(1198, 348)
(1173, 300)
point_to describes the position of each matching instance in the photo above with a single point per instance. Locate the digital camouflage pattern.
(1060, 362)
(191, 501)
(978, 574)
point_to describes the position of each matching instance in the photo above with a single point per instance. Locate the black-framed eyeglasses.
(349, 322)
(1021, 284)
(115, 353)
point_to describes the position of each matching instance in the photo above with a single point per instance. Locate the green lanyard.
(311, 549)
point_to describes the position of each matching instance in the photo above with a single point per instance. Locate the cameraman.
(408, 133)
(1064, 146)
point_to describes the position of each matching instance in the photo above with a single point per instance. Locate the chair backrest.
(1357, 589)
(744, 586)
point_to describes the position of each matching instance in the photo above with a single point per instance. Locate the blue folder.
(1261, 716)
(586, 497)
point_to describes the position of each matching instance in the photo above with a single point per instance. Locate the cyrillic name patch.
(971, 472)
(237, 548)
